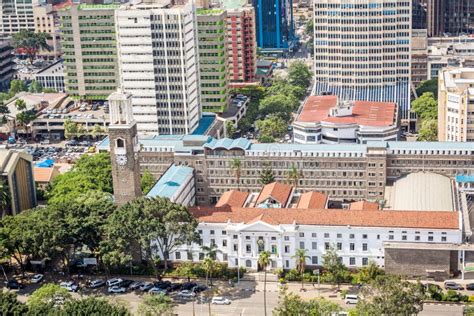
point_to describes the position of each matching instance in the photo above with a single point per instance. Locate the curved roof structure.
(228, 144)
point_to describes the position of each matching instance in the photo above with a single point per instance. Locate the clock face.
(121, 160)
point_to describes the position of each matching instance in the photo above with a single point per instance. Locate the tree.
(4, 197)
(93, 306)
(10, 305)
(283, 87)
(73, 129)
(20, 104)
(264, 261)
(281, 105)
(49, 90)
(336, 271)
(97, 131)
(147, 181)
(368, 273)
(230, 129)
(428, 131)
(30, 43)
(24, 118)
(294, 175)
(35, 87)
(426, 106)
(390, 295)
(208, 266)
(300, 257)
(428, 86)
(152, 305)
(290, 304)
(17, 86)
(157, 225)
(236, 167)
(299, 74)
(266, 175)
(273, 126)
(46, 295)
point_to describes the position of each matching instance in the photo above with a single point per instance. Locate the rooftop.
(421, 191)
(313, 200)
(204, 123)
(318, 108)
(232, 198)
(44, 174)
(53, 69)
(277, 191)
(170, 182)
(359, 218)
(233, 4)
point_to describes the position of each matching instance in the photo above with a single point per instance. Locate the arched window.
(120, 143)
(248, 263)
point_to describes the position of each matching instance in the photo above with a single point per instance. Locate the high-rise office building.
(449, 16)
(362, 50)
(274, 25)
(158, 64)
(6, 63)
(16, 15)
(89, 46)
(418, 15)
(213, 62)
(241, 43)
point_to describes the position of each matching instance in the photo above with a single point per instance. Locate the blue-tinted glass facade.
(274, 24)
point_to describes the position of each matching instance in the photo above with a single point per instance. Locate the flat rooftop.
(204, 123)
(171, 182)
(318, 109)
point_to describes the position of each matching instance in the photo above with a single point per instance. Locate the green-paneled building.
(90, 50)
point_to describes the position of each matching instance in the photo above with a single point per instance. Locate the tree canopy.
(290, 304)
(30, 43)
(299, 74)
(93, 306)
(426, 106)
(10, 305)
(46, 295)
(335, 271)
(266, 175)
(156, 305)
(428, 86)
(428, 131)
(147, 181)
(272, 126)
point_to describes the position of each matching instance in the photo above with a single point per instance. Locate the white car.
(146, 286)
(156, 290)
(351, 299)
(116, 289)
(96, 283)
(135, 285)
(37, 278)
(70, 286)
(113, 282)
(219, 300)
(186, 294)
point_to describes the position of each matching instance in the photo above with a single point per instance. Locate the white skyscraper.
(16, 15)
(362, 50)
(157, 59)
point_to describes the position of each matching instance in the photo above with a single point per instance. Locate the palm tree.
(236, 166)
(30, 43)
(4, 197)
(264, 261)
(210, 251)
(294, 175)
(210, 254)
(300, 256)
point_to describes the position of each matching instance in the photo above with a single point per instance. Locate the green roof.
(209, 11)
(233, 4)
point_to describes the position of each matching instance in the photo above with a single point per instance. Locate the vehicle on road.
(115, 281)
(470, 287)
(116, 289)
(136, 285)
(70, 286)
(157, 290)
(219, 300)
(351, 299)
(96, 283)
(453, 286)
(37, 278)
(146, 286)
(186, 294)
(14, 285)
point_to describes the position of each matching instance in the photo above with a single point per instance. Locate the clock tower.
(124, 148)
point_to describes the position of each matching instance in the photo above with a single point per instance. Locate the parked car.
(14, 285)
(115, 281)
(70, 286)
(453, 286)
(96, 283)
(72, 143)
(126, 283)
(199, 288)
(163, 284)
(37, 278)
(146, 286)
(157, 290)
(135, 285)
(351, 299)
(219, 300)
(116, 289)
(186, 294)
(188, 285)
(175, 287)
(470, 287)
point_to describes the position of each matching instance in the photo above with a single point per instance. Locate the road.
(441, 310)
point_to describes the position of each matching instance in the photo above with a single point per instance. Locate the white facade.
(52, 77)
(362, 50)
(16, 15)
(157, 58)
(239, 243)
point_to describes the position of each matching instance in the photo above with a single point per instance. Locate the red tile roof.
(317, 109)
(44, 174)
(333, 217)
(312, 200)
(280, 192)
(364, 205)
(232, 198)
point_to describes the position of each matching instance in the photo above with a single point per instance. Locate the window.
(326, 235)
(248, 263)
(443, 238)
(404, 237)
(417, 238)
(201, 256)
(224, 232)
(287, 249)
(212, 232)
(200, 231)
(236, 248)
(339, 235)
(274, 238)
(378, 236)
(326, 245)
(339, 246)
(352, 246)
(390, 237)
(247, 237)
(352, 261)
(314, 235)
(314, 260)
(301, 244)
(364, 247)
(224, 243)
(365, 261)
(301, 234)
(430, 238)
(213, 242)
(248, 248)
(235, 237)
(236, 262)
(364, 236)
(177, 255)
(286, 238)
(287, 263)
(190, 255)
(351, 236)
(274, 249)
(314, 245)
